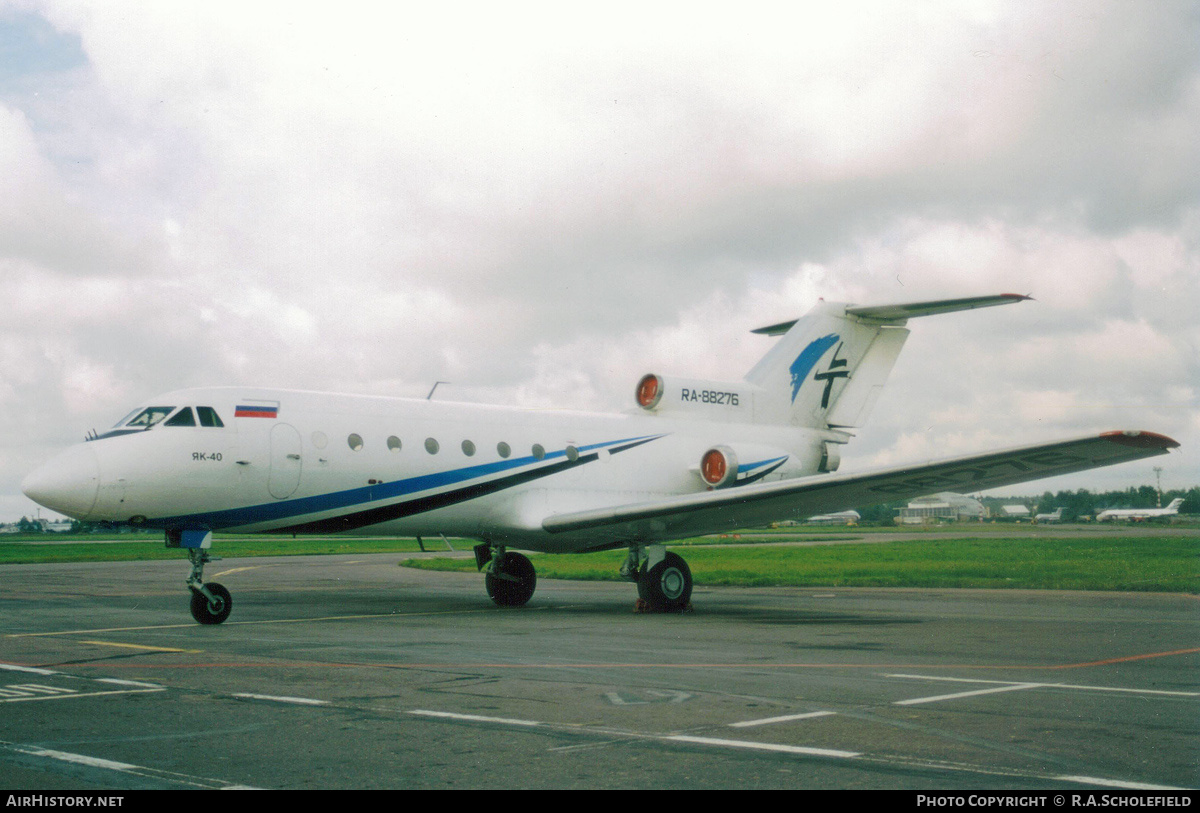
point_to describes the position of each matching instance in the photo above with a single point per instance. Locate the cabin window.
(355, 442)
(393, 443)
(209, 417)
(468, 448)
(503, 449)
(149, 417)
(431, 445)
(572, 453)
(538, 451)
(183, 417)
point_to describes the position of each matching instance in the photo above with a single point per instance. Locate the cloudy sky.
(540, 202)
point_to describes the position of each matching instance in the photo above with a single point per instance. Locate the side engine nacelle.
(726, 400)
(740, 463)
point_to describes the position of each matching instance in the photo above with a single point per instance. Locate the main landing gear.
(664, 582)
(509, 577)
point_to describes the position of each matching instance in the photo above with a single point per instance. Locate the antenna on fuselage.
(429, 397)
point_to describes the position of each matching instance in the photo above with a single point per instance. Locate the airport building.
(944, 507)
(1016, 513)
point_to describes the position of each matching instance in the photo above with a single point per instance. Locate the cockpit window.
(149, 417)
(142, 419)
(183, 417)
(208, 417)
(125, 420)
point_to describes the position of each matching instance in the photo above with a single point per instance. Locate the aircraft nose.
(67, 484)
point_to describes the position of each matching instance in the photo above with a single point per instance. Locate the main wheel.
(514, 584)
(214, 612)
(667, 585)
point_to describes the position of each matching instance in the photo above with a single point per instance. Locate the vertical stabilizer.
(830, 366)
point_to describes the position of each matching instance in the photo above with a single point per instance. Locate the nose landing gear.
(211, 603)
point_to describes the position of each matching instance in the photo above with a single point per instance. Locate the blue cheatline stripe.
(771, 465)
(753, 466)
(357, 498)
(754, 478)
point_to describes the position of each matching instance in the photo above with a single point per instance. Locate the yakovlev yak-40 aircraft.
(691, 457)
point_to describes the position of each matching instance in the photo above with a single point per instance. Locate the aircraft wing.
(757, 505)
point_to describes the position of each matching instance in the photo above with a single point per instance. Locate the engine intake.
(719, 466)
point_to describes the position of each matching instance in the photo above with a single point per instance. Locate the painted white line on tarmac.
(80, 759)
(137, 683)
(300, 701)
(1012, 687)
(787, 718)
(120, 767)
(1073, 686)
(1114, 783)
(29, 697)
(12, 667)
(1118, 689)
(475, 718)
(764, 746)
(799, 750)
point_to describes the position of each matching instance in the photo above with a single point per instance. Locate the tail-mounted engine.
(738, 464)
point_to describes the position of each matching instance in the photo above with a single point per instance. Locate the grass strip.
(1101, 562)
(224, 547)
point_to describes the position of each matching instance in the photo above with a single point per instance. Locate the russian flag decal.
(256, 411)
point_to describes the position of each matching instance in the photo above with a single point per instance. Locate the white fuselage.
(1140, 513)
(307, 462)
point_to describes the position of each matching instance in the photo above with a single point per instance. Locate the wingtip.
(1141, 439)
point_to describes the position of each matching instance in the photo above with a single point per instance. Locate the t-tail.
(829, 367)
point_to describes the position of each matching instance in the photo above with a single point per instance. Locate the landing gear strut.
(211, 603)
(509, 577)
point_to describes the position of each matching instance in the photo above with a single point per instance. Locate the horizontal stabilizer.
(899, 313)
(895, 312)
(757, 505)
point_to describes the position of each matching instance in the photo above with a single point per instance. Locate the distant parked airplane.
(1137, 514)
(850, 517)
(691, 457)
(1054, 517)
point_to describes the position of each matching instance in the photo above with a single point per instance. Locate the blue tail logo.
(808, 359)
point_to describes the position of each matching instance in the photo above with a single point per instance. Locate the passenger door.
(286, 462)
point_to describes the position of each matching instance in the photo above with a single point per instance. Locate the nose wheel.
(211, 602)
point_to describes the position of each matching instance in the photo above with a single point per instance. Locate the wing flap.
(757, 505)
